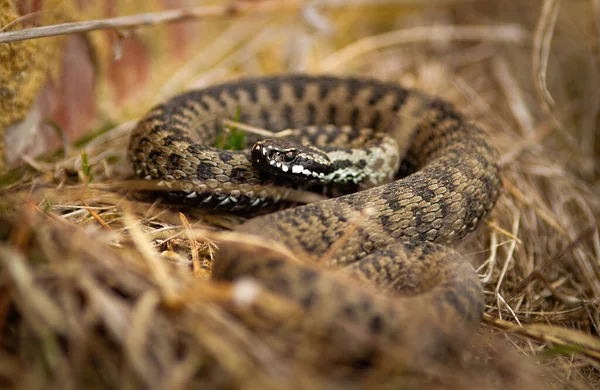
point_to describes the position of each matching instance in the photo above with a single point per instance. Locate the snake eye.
(289, 156)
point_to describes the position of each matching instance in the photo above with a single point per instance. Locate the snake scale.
(396, 236)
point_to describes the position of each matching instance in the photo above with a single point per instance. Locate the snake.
(403, 284)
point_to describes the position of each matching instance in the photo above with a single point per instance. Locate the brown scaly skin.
(399, 244)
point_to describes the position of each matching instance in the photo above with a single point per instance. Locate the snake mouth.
(278, 157)
(275, 160)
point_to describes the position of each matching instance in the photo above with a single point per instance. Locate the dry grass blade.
(176, 15)
(568, 340)
(541, 50)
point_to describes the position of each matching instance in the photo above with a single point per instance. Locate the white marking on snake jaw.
(207, 199)
(264, 151)
(285, 168)
(272, 162)
(278, 165)
(306, 172)
(192, 195)
(297, 169)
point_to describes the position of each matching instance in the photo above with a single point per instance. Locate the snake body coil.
(395, 234)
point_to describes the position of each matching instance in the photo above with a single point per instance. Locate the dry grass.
(99, 288)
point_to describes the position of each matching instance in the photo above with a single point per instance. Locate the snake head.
(290, 159)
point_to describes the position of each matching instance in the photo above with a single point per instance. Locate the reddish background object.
(69, 97)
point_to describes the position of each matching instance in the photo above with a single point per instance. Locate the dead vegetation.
(101, 289)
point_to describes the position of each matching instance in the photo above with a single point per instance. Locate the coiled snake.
(395, 234)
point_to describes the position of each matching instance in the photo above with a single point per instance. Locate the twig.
(232, 9)
(491, 260)
(256, 130)
(27, 17)
(509, 254)
(553, 335)
(505, 232)
(541, 50)
(229, 10)
(95, 215)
